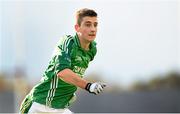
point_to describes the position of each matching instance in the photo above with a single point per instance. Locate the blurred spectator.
(2, 82)
(20, 87)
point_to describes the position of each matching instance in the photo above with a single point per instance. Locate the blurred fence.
(156, 101)
(164, 101)
(7, 102)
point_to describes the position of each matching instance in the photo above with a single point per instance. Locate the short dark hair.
(80, 14)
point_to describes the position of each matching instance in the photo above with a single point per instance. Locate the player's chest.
(80, 58)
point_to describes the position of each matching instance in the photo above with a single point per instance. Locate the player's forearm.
(70, 77)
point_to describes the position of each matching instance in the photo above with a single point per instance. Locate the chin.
(91, 38)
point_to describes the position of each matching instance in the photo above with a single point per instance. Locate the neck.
(84, 44)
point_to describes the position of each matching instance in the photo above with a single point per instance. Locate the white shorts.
(39, 108)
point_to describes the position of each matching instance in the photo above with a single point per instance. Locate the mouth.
(92, 35)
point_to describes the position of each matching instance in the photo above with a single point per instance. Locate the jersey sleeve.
(63, 56)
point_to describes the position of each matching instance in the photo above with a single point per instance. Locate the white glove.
(95, 88)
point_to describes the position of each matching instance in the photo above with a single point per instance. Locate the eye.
(88, 24)
(95, 24)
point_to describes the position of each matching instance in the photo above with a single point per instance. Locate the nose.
(93, 28)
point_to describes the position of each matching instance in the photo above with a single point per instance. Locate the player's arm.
(70, 77)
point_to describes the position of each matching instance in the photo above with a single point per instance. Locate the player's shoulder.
(67, 37)
(69, 40)
(65, 40)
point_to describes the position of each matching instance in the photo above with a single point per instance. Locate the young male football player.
(56, 90)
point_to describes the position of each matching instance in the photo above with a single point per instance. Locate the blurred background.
(138, 52)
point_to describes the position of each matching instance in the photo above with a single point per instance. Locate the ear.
(76, 26)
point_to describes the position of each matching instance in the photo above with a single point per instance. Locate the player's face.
(88, 28)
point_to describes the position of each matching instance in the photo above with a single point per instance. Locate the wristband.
(88, 86)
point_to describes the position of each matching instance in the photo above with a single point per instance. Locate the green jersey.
(52, 91)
